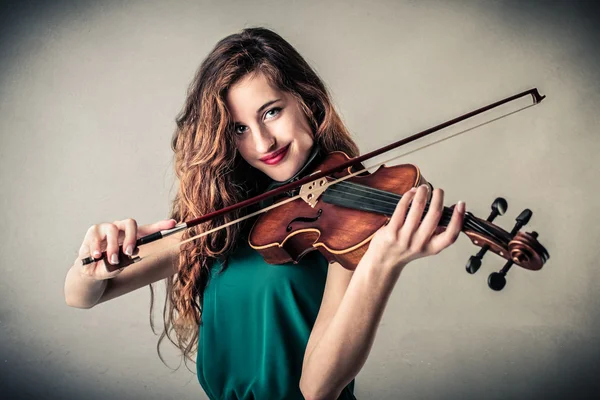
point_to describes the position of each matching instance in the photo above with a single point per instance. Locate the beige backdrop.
(88, 96)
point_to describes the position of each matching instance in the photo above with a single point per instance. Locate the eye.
(239, 129)
(273, 112)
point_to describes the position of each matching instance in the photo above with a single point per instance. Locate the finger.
(93, 239)
(432, 218)
(112, 242)
(415, 213)
(155, 227)
(129, 226)
(397, 218)
(84, 250)
(92, 245)
(449, 236)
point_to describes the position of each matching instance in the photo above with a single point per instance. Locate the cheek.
(286, 128)
(243, 149)
(305, 134)
(300, 128)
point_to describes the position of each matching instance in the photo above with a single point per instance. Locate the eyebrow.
(262, 108)
(267, 104)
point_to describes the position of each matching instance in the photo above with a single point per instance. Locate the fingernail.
(461, 206)
(114, 259)
(129, 250)
(97, 254)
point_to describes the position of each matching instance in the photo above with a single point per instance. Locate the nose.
(264, 141)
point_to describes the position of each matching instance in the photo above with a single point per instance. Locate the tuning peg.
(499, 207)
(497, 280)
(522, 220)
(474, 263)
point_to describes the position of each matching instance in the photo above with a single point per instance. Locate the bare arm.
(353, 305)
(149, 270)
(346, 338)
(86, 287)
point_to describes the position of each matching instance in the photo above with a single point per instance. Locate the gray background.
(88, 96)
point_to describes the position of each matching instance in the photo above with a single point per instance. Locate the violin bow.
(537, 98)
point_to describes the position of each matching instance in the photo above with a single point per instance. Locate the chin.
(280, 173)
(280, 176)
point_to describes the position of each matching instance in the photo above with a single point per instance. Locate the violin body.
(340, 218)
(290, 231)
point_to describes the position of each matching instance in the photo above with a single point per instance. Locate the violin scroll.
(527, 252)
(520, 248)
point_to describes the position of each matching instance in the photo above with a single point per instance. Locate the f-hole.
(304, 219)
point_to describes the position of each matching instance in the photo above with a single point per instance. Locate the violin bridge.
(311, 191)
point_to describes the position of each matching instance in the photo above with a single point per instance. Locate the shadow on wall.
(532, 363)
(575, 19)
(529, 363)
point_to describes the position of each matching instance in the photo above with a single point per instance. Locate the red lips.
(271, 158)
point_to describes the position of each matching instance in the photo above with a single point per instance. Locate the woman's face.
(267, 122)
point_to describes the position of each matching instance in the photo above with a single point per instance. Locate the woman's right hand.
(106, 237)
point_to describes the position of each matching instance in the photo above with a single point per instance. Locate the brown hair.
(211, 173)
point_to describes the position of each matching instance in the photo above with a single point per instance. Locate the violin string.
(446, 215)
(389, 207)
(470, 223)
(393, 197)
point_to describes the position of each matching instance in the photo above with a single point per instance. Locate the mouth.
(276, 156)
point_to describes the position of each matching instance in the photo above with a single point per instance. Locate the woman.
(258, 116)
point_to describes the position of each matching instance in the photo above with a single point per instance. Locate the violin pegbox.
(522, 248)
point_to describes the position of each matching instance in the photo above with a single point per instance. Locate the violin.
(339, 219)
(341, 209)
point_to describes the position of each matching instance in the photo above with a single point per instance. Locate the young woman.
(258, 116)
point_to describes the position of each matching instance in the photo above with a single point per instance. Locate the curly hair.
(212, 174)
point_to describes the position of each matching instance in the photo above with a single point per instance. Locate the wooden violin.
(342, 209)
(339, 218)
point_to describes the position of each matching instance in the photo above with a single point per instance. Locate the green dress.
(257, 319)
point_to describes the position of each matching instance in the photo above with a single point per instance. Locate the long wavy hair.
(213, 175)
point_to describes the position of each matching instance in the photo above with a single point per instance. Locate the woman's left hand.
(406, 238)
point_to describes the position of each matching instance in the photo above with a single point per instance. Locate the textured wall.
(88, 96)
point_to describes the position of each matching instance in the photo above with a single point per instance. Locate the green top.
(256, 321)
